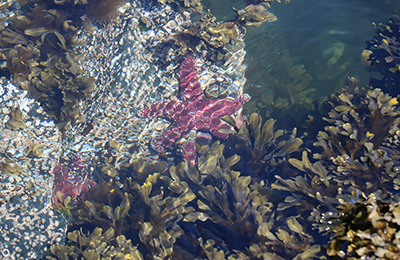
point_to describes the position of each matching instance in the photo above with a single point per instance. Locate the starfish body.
(72, 180)
(194, 111)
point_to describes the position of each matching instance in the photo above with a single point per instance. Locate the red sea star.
(194, 112)
(72, 180)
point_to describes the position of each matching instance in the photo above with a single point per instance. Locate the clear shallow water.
(300, 59)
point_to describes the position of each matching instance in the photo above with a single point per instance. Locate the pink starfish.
(73, 180)
(194, 112)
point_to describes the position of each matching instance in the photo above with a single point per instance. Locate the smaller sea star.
(195, 111)
(72, 180)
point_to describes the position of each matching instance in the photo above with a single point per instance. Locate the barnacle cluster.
(26, 220)
(37, 48)
(29, 146)
(383, 54)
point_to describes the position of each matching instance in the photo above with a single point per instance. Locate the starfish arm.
(212, 125)
(60, 172)
(72, 180)
(226, 106)
(217, 109)
(189, 82)
(202, 123)
(189, 150)
(171, 135)
(163, 109)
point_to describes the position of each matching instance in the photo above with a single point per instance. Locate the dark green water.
(306, 54)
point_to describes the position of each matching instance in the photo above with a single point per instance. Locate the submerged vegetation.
(382, 54)
(264, 193)
(366, 228)
(96, 245)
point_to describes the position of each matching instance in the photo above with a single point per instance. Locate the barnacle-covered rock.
(38, 49)
(95, 245)
(29, 149)
(26, 220)
(30, 141)
(383, 54)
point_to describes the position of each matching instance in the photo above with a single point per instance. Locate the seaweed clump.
(96, 245)
(260, 145)
(236, 214)
(255, 13)
(187, 211)
(215, 41)
(365, 228)
(191, 5)
(382, 54)
(15, 122)
(353, 152)
(355, 141)
(37, 48)
(207, 38)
